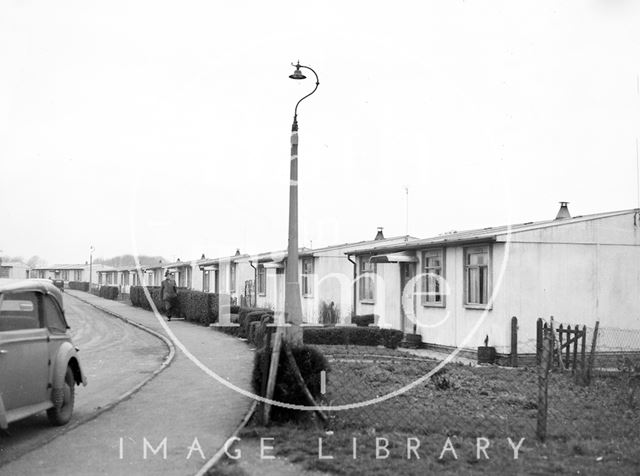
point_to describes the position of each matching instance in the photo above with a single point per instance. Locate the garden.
(461, 420)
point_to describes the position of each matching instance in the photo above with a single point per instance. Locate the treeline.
(129, 260)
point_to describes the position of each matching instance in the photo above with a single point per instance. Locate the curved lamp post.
(91, 250)
(292, 304)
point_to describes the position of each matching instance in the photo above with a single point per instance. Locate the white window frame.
(307, 277)
(232, 277)
(485, 293)
(261, 278)
(366, 274)
(429, 299)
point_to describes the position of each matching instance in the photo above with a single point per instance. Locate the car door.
(56, 325)
(24, 355)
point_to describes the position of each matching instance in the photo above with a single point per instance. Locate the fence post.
(576, 333)
(592, 354)
(543, 381)
(583, 349)
(514, 341)
(538, 340)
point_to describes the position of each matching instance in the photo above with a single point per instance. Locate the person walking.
(168, 294)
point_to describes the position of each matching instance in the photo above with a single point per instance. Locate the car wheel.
(61, 415)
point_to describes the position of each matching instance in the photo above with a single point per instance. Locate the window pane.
(19, 311)
(52, 316)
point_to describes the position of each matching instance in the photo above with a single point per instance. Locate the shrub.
(372, 336)
(138, 298)
(310, 361)
(194, 306)
(198, 306)
(329, 313)
(364, 320)
(247, 315)
(79, 285)
(109, 292)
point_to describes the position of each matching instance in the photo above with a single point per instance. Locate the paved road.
(184, 408)
(115, 356)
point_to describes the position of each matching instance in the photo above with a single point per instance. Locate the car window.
(18, 311)
(52, 316)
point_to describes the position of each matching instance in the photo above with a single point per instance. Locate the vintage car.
(39, 365)
(58, 283)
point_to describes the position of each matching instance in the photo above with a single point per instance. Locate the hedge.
(311, 363)
(79, 285)
(194, 306)
(364, 320)
(372, 336)
(247, 315)
(109, 292)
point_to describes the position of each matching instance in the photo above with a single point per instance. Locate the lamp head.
(297, 74)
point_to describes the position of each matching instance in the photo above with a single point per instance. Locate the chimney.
(563, 212)
(237, 252)
(379, 235)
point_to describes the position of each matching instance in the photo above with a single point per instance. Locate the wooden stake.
(514, 341)
(593, 353)
(273, 372)
(543, 379)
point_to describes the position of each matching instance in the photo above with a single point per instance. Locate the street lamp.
(292, 304)
(91, 250)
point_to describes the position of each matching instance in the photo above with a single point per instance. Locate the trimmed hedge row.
(364, 320)
(109, 292)
(372, 336)
(194, 306)
(247, 315)
(79, 285)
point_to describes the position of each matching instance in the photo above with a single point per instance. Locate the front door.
(407, 298)
(24, 353)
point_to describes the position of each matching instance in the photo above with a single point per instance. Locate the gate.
(565, 345)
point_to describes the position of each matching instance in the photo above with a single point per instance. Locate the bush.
(372, 336)
(109, 292)
(247, 315)
(310, 361)
(79, 286)
(138, 298)
(194, 306)
(364, 320)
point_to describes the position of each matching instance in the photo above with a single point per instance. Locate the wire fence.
(575, 405)
(585, 420)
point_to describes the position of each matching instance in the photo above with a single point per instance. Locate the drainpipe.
(355, 284)
(255, 283)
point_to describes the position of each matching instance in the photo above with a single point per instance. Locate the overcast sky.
(163, 127)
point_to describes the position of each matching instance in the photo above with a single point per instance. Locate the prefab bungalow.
(220, 275)
(329, 277)
(70, 272)
(460, 288)
(130, 276)
(184, 272)
(326, 278)
(154, 274)
(108, 277)
(265, 279)
(14, 270)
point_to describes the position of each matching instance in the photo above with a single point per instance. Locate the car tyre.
(62, 415)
